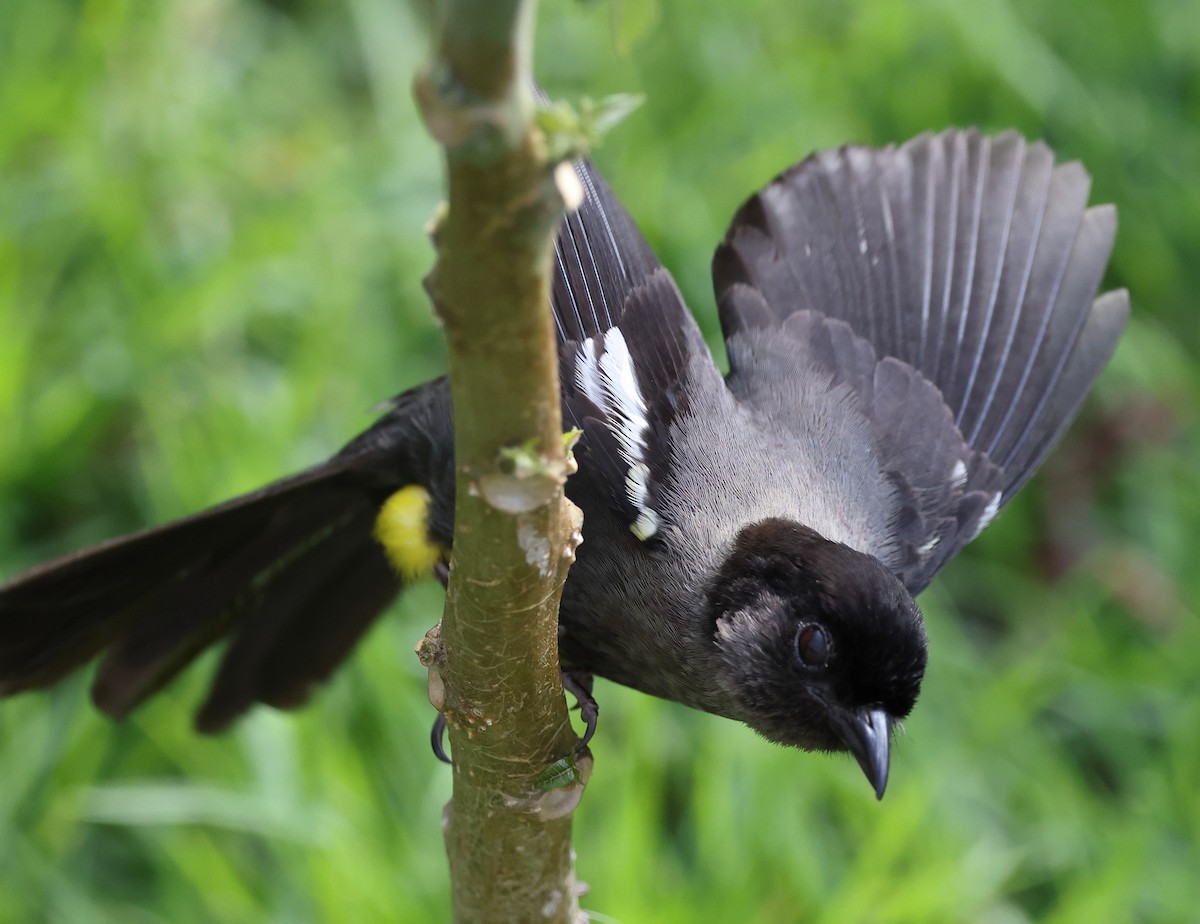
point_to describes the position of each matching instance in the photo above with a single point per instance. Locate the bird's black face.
(822, 647)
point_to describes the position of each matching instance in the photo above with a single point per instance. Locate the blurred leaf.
(573, 131)
(173, 803)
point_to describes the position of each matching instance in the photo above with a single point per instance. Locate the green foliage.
(210, 264)
(573, 131)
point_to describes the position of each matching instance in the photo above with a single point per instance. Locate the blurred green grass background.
(211, 248)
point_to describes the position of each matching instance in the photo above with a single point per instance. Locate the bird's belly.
(638, 618)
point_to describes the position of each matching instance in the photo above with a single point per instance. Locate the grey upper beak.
(865, 732)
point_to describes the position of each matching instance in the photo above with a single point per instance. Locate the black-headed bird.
(909, 331)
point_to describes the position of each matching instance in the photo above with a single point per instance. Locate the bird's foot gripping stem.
(580, 686)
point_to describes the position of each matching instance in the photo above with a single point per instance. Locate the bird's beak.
(865, 733)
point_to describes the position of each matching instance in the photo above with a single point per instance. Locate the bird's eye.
(812, 646)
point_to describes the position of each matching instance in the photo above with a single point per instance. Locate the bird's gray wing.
(600, 259)
(954, 265)
(628, 348)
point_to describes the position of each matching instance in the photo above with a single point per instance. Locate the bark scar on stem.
(431, 652)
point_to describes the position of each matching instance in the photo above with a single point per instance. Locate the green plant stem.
(508, 843)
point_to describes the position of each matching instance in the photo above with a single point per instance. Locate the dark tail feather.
(62, 613)
(255, 567)
(306, 622)
(309, 657)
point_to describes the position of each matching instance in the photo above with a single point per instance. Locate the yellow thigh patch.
(402, 528)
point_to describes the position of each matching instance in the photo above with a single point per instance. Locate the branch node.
(467, 124)
(527, 479)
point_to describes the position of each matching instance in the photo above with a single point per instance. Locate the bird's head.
(821, 646)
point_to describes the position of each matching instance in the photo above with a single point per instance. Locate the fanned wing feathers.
(1065, 351)
(973, 262)
(1057, 407)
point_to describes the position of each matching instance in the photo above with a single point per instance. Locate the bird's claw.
(437, 739)
(580, 686)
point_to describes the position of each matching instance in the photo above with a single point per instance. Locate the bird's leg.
(579, 685)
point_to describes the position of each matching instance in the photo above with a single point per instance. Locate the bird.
(909, 330)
